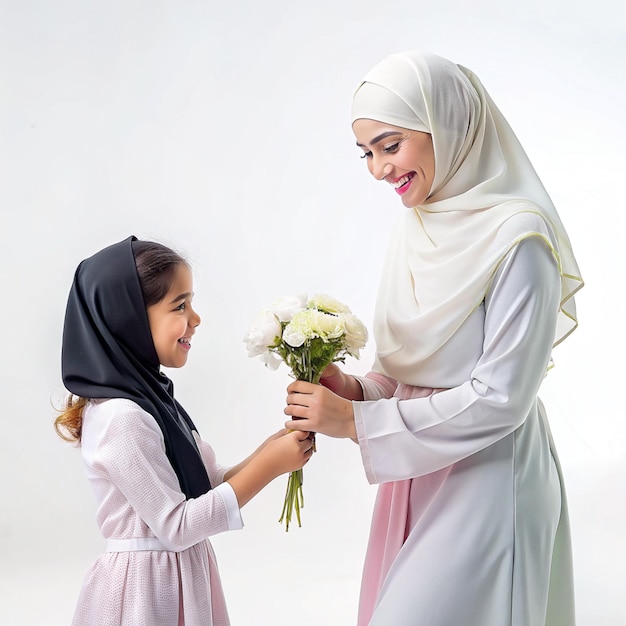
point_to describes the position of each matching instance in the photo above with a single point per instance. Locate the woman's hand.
(340, 383)
(317, 409)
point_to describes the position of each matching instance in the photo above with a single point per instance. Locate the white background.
(222, 129)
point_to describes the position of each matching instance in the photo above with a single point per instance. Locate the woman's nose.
(380, 169)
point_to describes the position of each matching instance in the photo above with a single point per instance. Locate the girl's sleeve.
(215, 471)
(131, 454)
(402, 439)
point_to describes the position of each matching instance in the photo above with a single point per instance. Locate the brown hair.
(156, 265)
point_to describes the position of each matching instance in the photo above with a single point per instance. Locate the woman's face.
(404, 158)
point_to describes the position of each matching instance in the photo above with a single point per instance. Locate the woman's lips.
(402, 184)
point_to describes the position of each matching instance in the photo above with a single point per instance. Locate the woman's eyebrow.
(380, 137)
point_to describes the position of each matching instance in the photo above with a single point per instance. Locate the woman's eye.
(392, 147)
(366, 155)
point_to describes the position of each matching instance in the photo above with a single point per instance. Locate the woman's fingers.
(299, 425)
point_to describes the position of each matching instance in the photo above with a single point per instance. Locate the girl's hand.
(281, 453)
(286, 451)
(317, 409)
(281, 433)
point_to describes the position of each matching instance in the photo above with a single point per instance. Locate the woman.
(470, 524)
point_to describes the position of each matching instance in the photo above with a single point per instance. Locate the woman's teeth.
(402, 181)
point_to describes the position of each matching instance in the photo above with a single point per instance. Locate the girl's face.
(173, 320)
(404, 158)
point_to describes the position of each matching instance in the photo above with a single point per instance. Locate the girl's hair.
(156, 265)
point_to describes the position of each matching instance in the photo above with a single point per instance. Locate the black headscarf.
(108, 352)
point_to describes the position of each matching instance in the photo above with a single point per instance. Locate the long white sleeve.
(124, 452)
(402, 439)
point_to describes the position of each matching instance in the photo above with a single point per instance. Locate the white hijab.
(485, 198)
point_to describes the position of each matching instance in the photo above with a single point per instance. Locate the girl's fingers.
(302, 436)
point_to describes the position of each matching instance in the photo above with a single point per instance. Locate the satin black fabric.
(108, 352)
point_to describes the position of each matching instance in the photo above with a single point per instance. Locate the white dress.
(140, 505)
(470, 526)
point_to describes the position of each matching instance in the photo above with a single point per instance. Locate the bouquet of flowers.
(307, 333)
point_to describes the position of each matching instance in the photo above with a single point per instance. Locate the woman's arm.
(340, 383)
(427, 434)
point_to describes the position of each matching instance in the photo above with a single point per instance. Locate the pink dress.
(159, 567)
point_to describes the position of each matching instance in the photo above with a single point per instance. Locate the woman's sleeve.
(131, 454)
(402, 439)
(376, 386)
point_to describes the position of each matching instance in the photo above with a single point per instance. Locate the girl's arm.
(261, 461)
(129, 452)
(236, 468)
(283, 452)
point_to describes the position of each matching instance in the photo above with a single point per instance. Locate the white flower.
(311, 323)
(271, 360)
(329, 326)
(262, 334)
(326, 303)
(356, 334)
(298, 330)
(286, 307)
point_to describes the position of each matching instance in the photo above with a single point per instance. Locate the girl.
(159, 488)
(470, 525)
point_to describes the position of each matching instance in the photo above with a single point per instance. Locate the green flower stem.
(307, 362)
(294, 499)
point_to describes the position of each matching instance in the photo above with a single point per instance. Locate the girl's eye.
(180, 307)
(366, 155)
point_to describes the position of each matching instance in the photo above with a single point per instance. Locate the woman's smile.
(402, 184)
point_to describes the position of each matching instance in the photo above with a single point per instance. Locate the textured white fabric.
(470, 526)
(485, 198)
(139, 498)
